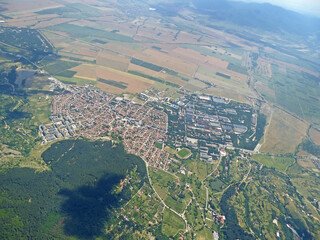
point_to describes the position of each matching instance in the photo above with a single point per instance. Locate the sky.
(311, 7)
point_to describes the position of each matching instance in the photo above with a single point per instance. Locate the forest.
(75, 198)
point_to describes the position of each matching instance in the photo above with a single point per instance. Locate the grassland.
(294, 90)
(172, 223)
(280, 141)
(170, 189)
(200, 168)
(170, 150)
(279, 163)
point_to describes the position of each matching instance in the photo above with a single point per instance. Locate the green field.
(67, 73)
(60, 66)
(170, 189)
(158, 145)
(216, 185)
(296, 91)
(237, 68)
(279, 163)
(199, 168)
(183, 153)
(172, 223)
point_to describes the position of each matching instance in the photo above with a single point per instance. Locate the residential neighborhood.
(84, 112)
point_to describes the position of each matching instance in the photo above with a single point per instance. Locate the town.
(202, 123)
(89, 113)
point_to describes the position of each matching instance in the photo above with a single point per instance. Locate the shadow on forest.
(87, 207)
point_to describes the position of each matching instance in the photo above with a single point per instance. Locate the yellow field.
(134, 83)
(87, 71)
(167, 61)
(315, 136)
(284, 133)
(197, 58)
(227, 93)
(113, 61)
(306, 163)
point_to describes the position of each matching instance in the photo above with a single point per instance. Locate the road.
(164, 204)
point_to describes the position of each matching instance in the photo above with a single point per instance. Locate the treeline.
(152, 66)
(7, 79)
(310, 147)
(78, 189)
(121, 85)
(237, 68)
(154, 79)
(223, 75)
(232, 229)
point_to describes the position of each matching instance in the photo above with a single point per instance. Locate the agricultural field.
(60, 68)
(85, 71)
(127, 48)
(112, 44)
(134, 84)
(278, 141)
(170, 189)
(315, 136)
(113, 61)
(172, 223)
(285, 89)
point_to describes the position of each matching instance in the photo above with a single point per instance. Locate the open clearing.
(284, 133)
(280, 163)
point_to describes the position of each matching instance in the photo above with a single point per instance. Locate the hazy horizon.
(309, 7)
